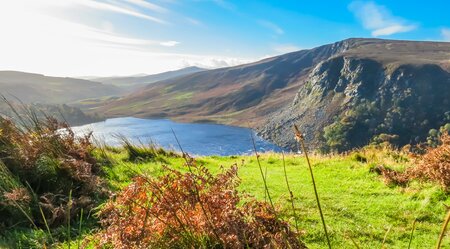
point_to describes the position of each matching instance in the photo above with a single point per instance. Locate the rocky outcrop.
(416, 96)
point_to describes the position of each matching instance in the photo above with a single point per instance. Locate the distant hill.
(354, 89)
(136, 81)
(38, 88)
(62, 112)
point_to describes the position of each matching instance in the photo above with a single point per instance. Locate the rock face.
(408, 100)
(340, 94)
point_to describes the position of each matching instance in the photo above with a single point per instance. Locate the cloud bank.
(379, 20)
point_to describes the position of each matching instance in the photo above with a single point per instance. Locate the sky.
(127, 37)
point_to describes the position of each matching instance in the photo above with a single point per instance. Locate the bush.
(195, 210)
(435, 164)
(42, 161)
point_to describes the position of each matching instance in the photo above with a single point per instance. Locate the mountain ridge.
(254, 94)
(135, 81)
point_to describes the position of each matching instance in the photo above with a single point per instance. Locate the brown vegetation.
(41, 163)
(191, 210)
(433, 166)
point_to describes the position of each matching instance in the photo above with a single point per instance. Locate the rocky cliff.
(360, 98)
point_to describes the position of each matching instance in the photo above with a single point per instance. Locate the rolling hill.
(134, 82)
(38, 88)
(401, 87)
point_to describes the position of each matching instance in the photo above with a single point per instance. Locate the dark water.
(196, 139)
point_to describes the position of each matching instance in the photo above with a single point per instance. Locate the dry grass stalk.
(443, 230)
(291, 195)
(412, 233)
(266, 188)
(300, 138)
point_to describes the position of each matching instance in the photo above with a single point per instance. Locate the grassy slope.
(356, 203)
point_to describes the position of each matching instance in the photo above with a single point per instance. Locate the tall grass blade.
(412, 233)
(299, 137)
(262, 173)
(46, 224)
(443, 230)
(385, 237)
(354, 242)
(291, 195)
(69, 206)
(79, 227)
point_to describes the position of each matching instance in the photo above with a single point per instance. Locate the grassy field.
(356, 203)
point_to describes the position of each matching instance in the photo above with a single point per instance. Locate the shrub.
(192, 210)
(42, 161)
(434, 165)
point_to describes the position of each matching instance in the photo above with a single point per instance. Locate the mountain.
(136, 81)
(31, 88)
(341, 95)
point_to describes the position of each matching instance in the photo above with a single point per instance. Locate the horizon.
(93, 38)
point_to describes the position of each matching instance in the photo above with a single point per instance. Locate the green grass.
(356, 203)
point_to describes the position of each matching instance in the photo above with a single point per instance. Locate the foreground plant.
(299, 137)
(42, 161)
(432, 166)
(168, 212)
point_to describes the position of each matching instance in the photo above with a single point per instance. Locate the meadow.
(356, 202)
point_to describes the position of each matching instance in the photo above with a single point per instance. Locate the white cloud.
(147, 5)
(169, 43)
(194, 21)
(445, 32)
(34, 41)
(285, 48)
(272, 26)
(115, 8)
(224, 4)
(211, 62)
(379, 20)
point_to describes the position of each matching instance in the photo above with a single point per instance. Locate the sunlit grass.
(355, 201)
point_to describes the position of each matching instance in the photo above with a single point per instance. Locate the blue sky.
(123, 37)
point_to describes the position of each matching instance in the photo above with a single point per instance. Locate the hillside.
(313, 88)
(30, 88)
(133, 82)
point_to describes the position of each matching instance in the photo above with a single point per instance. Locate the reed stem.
(291, 195)
(46, 224)
(79, 227)
(262, 173)
(412, 233)
(300, 139)
(444, 228)
(69, 206)
(385, 237)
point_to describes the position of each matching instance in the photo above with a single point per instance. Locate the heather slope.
(313, 88)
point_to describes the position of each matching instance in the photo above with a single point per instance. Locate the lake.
(195, 139)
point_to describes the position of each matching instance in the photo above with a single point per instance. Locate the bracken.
(191, 210)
